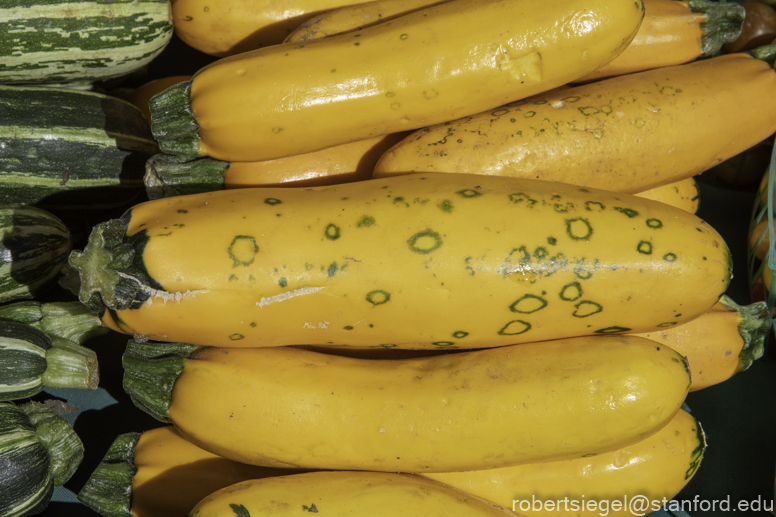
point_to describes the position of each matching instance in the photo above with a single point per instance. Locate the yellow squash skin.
(629, 133)
(417, 261)
(713, 342)
(438, 64)
(657, 467)
(340, 494)
(287, 407)
(223, 28)
(682, 194)
(172, 475)
(344, 163)
(669, 35)
(355, 17)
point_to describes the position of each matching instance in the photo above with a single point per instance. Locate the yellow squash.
(656, 468)
(721, 342)
(629, 133)
(441, 63)
(355, 17)
(159, 473)
(169, 176)
(417, 261)
(226, 27)
(344, 494)
(288, 407)
(682, 194)
(676, 32)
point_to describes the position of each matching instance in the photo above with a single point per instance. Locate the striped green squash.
(33, 248)
(70, 149)
(80, 40)
(38, 450)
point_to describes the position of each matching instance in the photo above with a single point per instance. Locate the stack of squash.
(421, 257)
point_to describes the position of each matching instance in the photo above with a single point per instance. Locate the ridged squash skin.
(288, 407)
(87, 40)
(438, 64)
(657, 468)
(418, 261)
(629, 133)
(223, 28)
(344, 493)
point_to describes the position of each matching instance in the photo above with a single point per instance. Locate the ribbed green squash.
(70, 149)
(33, 248)
(83, 40)
(38, 450)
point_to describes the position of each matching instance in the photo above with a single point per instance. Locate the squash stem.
(753, 327)
(150, 372)
(63, 444)
(109, 489)
(66, 320)
(765, 53)
(69, 365)
(724, 22)
(168, 176)
(172, 121)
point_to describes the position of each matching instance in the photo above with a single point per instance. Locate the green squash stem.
(150, 372)
(63, 444)
(172, 121)
(109, 489)
(168, 176)
(765, 53)
(724, 22)
(753, 329)
(69, 365)
(66, 320)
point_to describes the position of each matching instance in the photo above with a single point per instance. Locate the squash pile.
(402, 258)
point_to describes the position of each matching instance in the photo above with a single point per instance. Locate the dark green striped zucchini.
(33, 248)
(70, 149)
(85, 40)
(38, 450)
(30, 360)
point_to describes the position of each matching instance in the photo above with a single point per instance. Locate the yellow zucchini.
(288, 407)
(223, 28)
(375, 494)
(355, 17)
(676, 32)
(629, 133)
(444, 62)
(417, 261)
(165, 474)
(719, 343)
(169, 176)
(682, 194)
(160, 473)
(656, 468)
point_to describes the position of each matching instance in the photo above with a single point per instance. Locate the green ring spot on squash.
(272, 201)
(574, 295)
(243, 250)
(468, 193)
(443, 343)
(612, 330)
(499, 112)
(366, 221)
(528, 303)
(445, 205)
(332, 232)
(590, 204)
(348, 327)
(283, 282)
(578, 228)
(182, 211)
(669, 257)
(654, 223)
(627, 211)
(515, 327)
(458, 334)
(644, 247)
(552, 241)
(540, 253)
(521, 197)
(586, 308)
(581, 272)
(425, 242)
(236, 337)
(388, 345)
(378, 297)
(668, 324)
